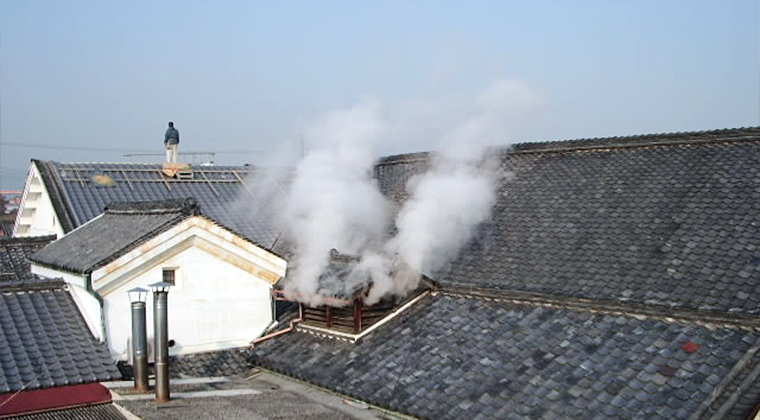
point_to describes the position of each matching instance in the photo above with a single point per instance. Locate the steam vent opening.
(343, 306)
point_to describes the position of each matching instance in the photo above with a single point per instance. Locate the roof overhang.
(195, 231)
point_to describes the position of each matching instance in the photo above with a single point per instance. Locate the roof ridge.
(16, 240)
(592, 143)
(44, 284)
(188, 206)
(613, 307)
(742, 370)
(642, 140)
(403, 157)
(157, 165)
(52, 183)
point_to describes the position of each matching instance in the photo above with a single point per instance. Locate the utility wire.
(114, 149)
(81, 148)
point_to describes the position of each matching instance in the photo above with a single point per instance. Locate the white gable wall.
(222, 298)
(214, 305)
(36, 215)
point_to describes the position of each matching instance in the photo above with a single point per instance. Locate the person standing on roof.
(171, 141)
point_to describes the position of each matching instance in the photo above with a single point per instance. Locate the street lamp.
(137, 297)
(161, 335)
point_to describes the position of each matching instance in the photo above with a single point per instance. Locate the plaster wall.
(214, 305)
(36, 215)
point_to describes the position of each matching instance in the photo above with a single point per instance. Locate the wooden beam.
(244, 184)
(161, 174)
(127, 179)
(208, 182)
(357, 315)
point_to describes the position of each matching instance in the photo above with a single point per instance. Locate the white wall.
(36, 215)
(222, 298)
(215, 305)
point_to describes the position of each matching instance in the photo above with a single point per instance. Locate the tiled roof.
(216, 363)
(6, 227)
(223, 192)
(229, 362)
(670, 220)
(14, 258)
(44, 341)
(93, 412)
(661, 230)
(629, 276)
(62, 207)
(647, 140)
(122, 227)
(457, 357)
(336, 280)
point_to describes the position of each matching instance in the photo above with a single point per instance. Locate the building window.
(170, 275)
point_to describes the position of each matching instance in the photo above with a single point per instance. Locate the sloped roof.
(336, 280)
(122, 227)
(92, 412)
(44, 341)
(228, 362)
(454, 356)
(6, 227)
(605, 261)
(14, 258)
(222, 191)
(670, 219)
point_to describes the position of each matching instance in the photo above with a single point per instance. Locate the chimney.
(161, 333)
(138, 296)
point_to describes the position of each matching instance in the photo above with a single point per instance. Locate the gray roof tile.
(44, 341)
(663, 220)
(669, 220)
(14, 259)
(486, 356)
(122, 227)
(222, 192)
(94, 412)
(666, 219)
(215, 363)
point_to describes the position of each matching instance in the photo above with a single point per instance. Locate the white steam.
(333, 201)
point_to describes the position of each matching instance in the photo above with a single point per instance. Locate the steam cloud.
(333, 201)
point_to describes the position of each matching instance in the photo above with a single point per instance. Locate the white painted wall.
(214, 305)
(36, 215)
(222, 298)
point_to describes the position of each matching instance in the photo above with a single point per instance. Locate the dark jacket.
(171, 136)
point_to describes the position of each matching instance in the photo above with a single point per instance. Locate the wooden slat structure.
(352, 319)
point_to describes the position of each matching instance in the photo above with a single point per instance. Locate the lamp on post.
(161, 333)
(137, 297)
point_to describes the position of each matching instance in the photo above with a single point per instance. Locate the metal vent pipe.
(161, 332)
(139, 339)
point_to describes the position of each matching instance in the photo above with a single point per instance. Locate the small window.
(170, 275)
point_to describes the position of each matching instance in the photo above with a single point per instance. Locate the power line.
(80, 148)
(114, 149)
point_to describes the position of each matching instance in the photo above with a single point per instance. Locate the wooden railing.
(353, 318)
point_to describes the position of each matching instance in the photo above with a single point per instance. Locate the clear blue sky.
(91, 80)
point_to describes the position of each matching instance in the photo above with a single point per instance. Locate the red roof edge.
(48, 399)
